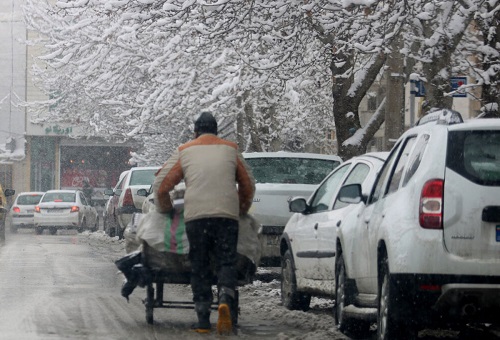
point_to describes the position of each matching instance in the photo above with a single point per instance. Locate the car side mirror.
(298, 205)
(351, 194)
(142, 192)
(9, 192)
(108, 192)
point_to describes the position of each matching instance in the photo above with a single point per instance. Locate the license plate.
(498, 233)
(30, 211)
(52, 211)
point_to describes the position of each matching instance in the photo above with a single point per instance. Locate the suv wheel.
(344, 296)
(388, 326)
(290, 297)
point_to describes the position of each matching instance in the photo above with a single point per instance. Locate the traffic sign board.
(456, 82)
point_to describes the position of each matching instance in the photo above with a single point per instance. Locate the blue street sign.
(456, 82)
(419, 88)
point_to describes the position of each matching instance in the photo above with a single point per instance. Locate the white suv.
(425, 249)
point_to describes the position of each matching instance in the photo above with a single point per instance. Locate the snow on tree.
(277, 73)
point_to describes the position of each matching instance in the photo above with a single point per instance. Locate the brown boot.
(225, 323)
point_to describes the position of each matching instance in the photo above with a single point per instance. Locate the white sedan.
(308, 242)
(22, 212)
(65, 209)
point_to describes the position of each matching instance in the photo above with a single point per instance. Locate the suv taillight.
(127, 198)
(37, 209)
(16, 209)
(431, 205)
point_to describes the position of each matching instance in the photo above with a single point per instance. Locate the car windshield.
(290, 170)
(29, 199)
(142, 177)
(59, 197)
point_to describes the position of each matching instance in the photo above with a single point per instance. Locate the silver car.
(22, 212)
(279, 177)
(65, 209)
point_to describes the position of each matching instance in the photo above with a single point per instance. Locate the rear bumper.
(450, 298)
(269, 237)
(62, 221)
(22, 222)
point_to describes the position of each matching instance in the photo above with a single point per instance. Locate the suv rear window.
(290, 170)
(475, 155)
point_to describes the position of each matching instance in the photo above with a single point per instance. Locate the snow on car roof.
(278, 154)
(478, 123)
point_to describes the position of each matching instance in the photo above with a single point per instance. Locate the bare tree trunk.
(438, 72)
(255, 145)
(275, 143)
(240, 126)
(491, 90)
(345, 106)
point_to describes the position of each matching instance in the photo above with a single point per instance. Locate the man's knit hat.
(205, 123)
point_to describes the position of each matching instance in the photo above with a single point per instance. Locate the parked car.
(280, 176)
(128, 201)
(22, 212)
(149, 201)
(110, 214)
(4, 209)
(64, 209)
(307, 246)
(424, 251)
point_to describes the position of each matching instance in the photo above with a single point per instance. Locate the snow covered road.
(66, 286)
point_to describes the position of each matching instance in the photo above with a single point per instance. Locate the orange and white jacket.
(218, 181)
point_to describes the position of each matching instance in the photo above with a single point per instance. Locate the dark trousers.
(212, 246)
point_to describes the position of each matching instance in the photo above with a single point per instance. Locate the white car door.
(385, 197)
(326, 230)
(305, 246)
(364, 239)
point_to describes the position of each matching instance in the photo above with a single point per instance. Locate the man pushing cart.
(219, 192)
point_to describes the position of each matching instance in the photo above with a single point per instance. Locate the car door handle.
(316, 226)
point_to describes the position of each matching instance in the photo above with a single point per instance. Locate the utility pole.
(395, 96)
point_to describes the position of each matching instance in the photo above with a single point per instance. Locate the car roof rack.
(442, 117)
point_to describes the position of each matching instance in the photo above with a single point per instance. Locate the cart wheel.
(235, 308)
(149, 315)
(150, 300)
